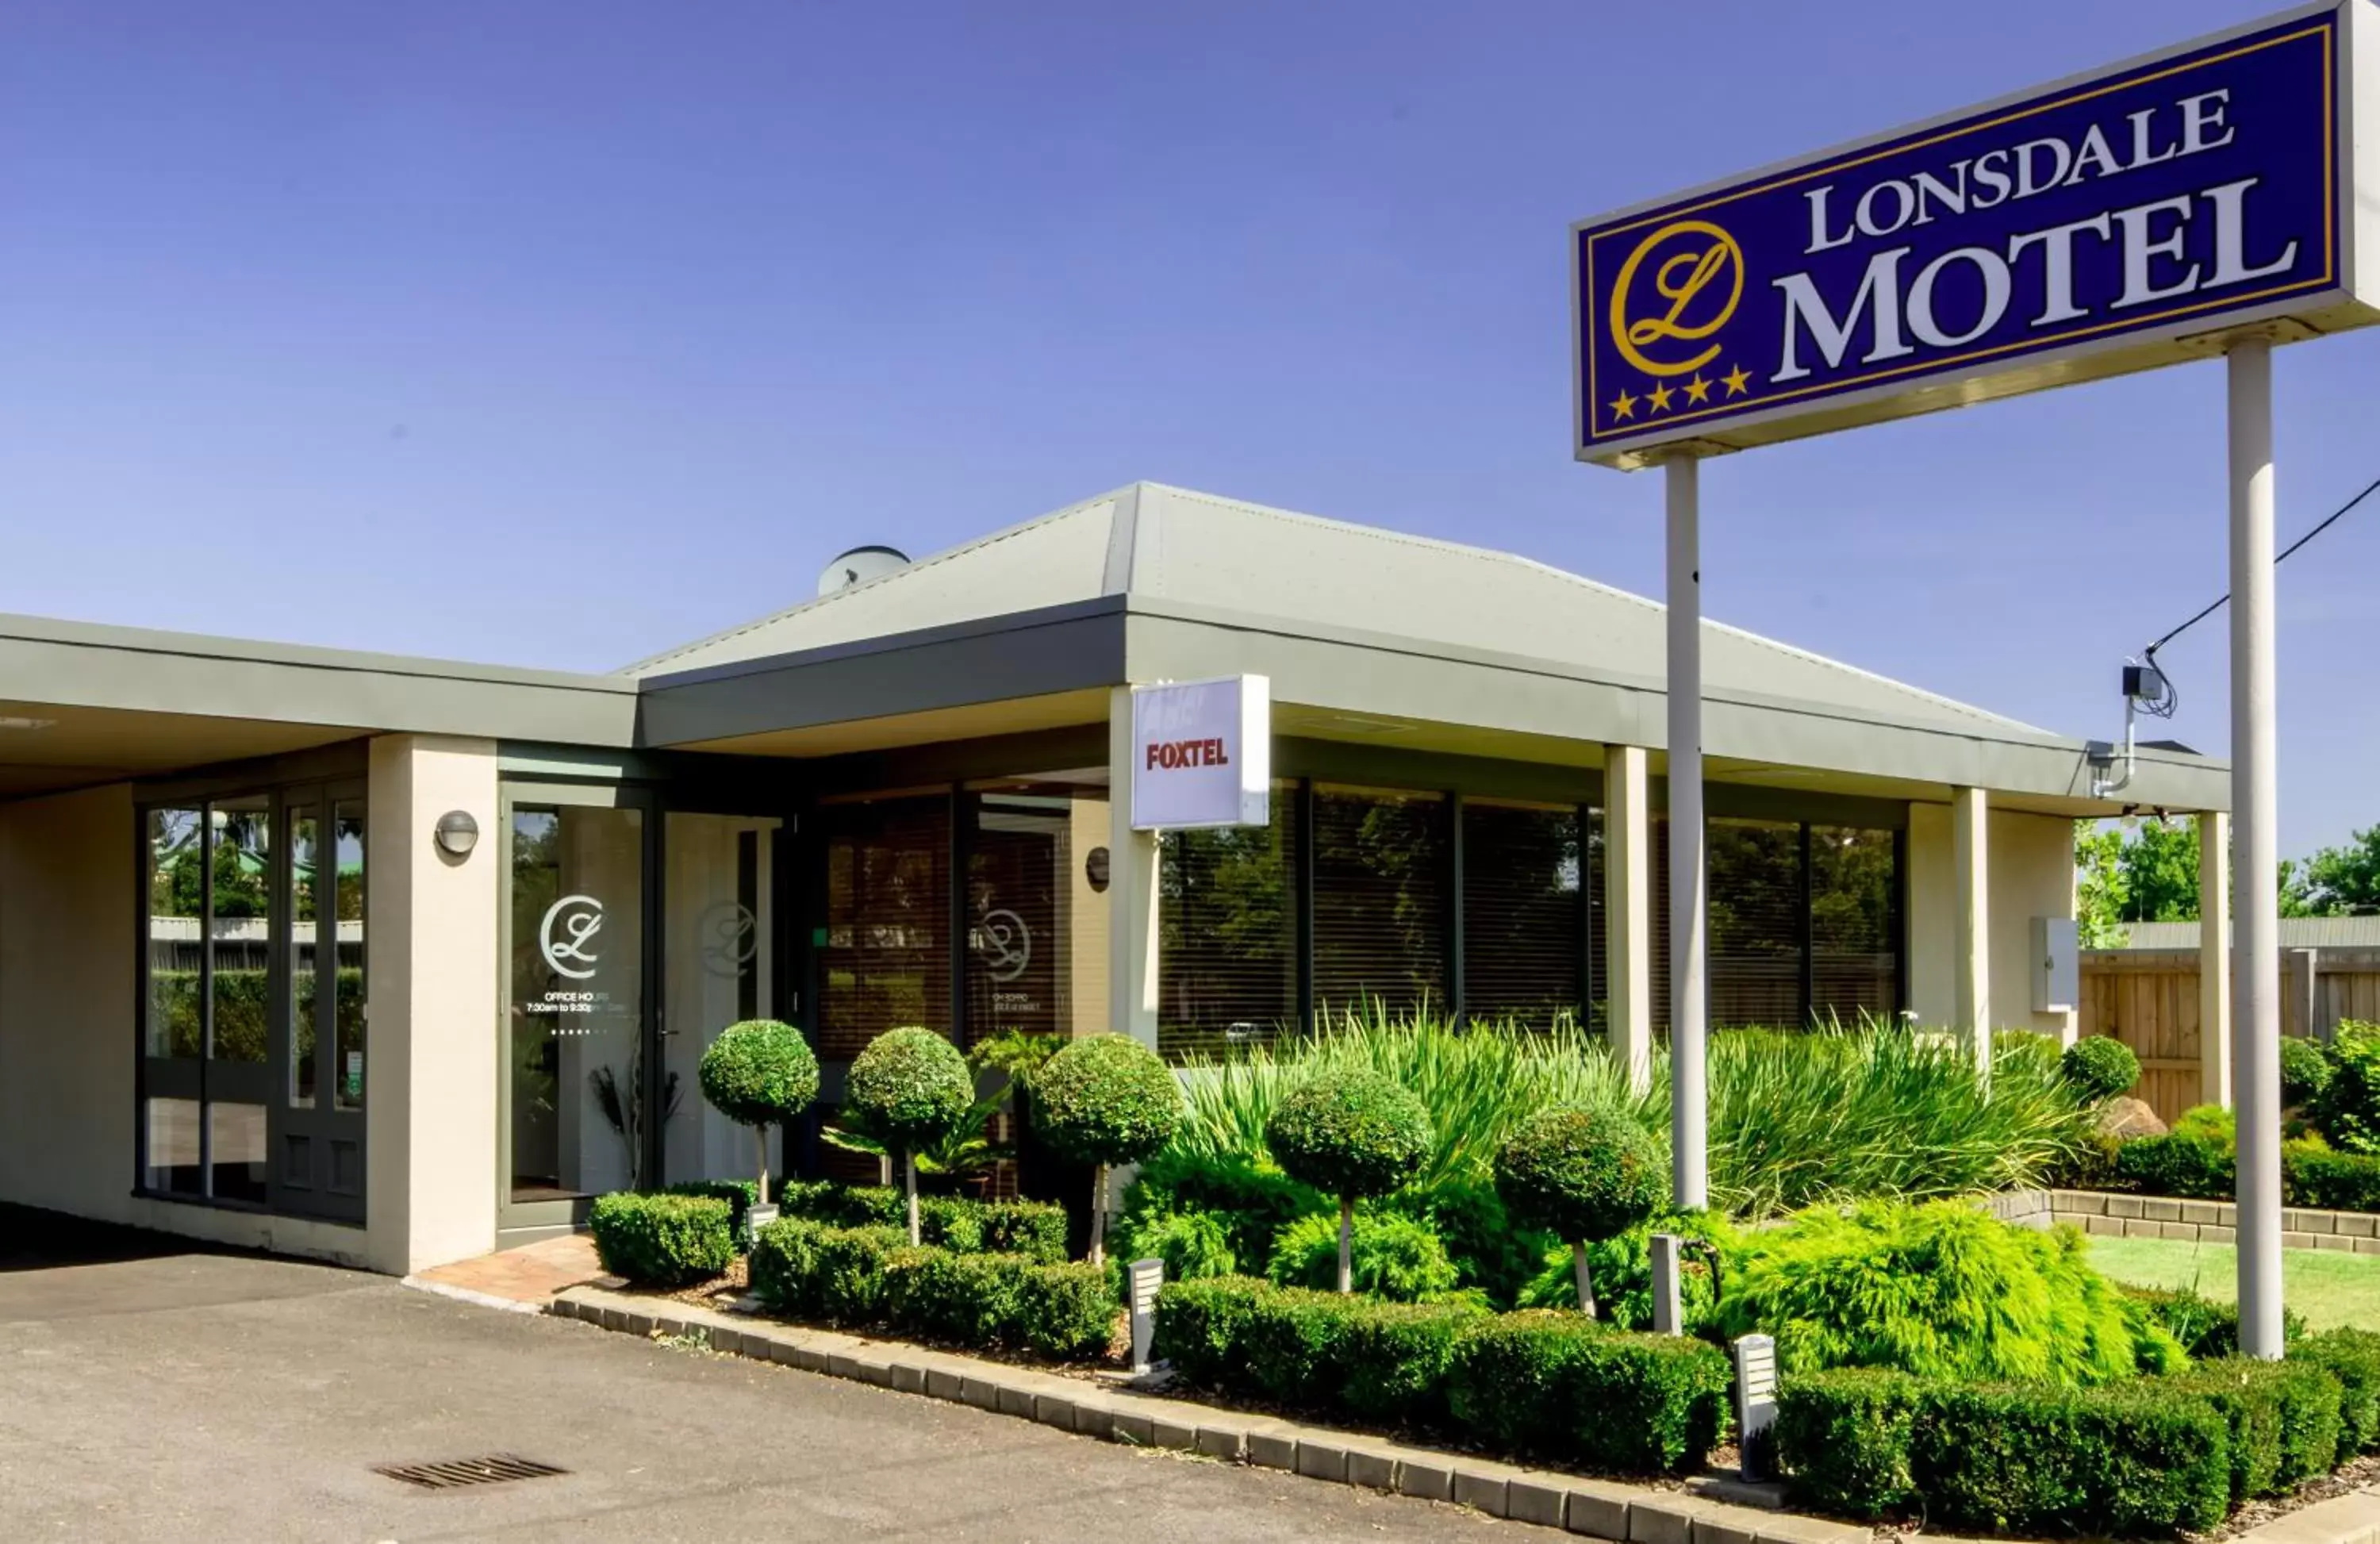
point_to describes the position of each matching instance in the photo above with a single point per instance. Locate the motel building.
(396, 961)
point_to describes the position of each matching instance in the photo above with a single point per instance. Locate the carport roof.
(1171, 548)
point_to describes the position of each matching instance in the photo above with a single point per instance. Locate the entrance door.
(719, 966)
(318, 1047)
(577, 1111)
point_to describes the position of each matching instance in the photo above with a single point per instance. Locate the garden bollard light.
(1147, 1275)
(1755, 1401)
(1669, 1319)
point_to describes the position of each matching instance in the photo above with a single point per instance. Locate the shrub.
(967, 1299)
(662, 1240)
(1842, 1439)
(1066, 1311)
(1396, 1358)
(1103, 1100)
(1939, 1290)
(1192, 1244)
(2282, 1421)
(1560, 1385)
(1351, 1133)
(2190, 1167)
(2353, 1356)
(1583, 1174)
(2133, 1459)
(908, 1088)
(1252, 1203)
(2209, 1123)
(1392, 1256)
(2204, 1328)
(738, 1194)
(2348, 1110)
(2100, 1067)
(811, 1271)
(955, 1222)
(1623, 1273)
(760, 1073)
(1293, 1340)
(1201, 1328)
(2305, 1071)
(1493, 1256)
(2337, 1181)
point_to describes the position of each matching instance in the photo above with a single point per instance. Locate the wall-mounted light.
(457, 834)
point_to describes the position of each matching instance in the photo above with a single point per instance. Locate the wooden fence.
(2148, 999)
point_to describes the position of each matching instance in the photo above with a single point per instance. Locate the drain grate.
(494, 1469)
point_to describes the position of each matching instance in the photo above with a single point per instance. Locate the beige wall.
(431, 1106)
(2030, 866)
(67, 935)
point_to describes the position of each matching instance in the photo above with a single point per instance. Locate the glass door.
(577, 1108)
(318, 1008)
(719, 966)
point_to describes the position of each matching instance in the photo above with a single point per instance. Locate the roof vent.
(859, 566)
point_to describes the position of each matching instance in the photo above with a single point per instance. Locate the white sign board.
(1202, 754)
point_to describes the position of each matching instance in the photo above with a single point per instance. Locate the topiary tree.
(1350, 1133)
(1103, 1100)
(908, 1088)
(1583, 1174)
(2100, 1067)
(760, 1073)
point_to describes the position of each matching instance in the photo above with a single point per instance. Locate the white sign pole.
(2255, 936)
(1689, 1181)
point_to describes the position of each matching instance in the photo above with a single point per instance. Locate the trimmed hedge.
(2353, 1356)
(870, 1276)
(2148, 1456)
(2283, 1420)
(2200, 1168)
(1558, 1385)
(736, 1193)
(1316, 1351)
(662, 1240)
(2126, 1460)
(1844, 1435)
(953, 1223)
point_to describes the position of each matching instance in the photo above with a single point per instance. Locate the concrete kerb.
(1608, 1509)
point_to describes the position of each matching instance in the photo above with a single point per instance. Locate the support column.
(2255, 932)
(1628, 910)
(1972, 922)
(2214, 958)
(1132, 890)
(1689, 1176)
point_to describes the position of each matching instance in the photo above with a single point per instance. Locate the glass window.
(1523, 912)
(1227, 943)
(305, 945)
(176, 880)
(346, 854)
(578, 1000)
(174, 1163)
(1036, 937)
(885, 961)
(1855, 923)
(239, 928)
(1756, 924)
(1382, 872)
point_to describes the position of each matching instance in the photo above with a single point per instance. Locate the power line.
(2217, 604)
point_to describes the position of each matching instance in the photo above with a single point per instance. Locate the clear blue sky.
(555, 333)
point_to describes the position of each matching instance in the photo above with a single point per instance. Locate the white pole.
(1690, 1183)
(2255, 934)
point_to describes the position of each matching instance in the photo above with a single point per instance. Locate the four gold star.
(1737, 383)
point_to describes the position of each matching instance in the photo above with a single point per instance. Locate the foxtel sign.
(2111, 223)
(1202, 754)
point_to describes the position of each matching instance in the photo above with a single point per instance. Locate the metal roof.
(1150, 542)
(2297, 932)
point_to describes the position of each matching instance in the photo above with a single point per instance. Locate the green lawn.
(2328, 1288)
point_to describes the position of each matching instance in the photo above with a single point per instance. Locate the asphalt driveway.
(151, 1391)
